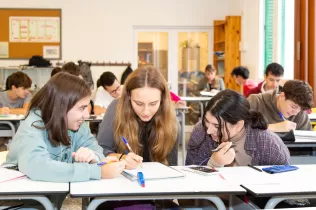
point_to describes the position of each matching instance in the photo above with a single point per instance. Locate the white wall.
(252, 52)
(102, 30)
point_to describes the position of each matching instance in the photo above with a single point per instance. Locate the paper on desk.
(8, 174)
(305, 134)
(153, 170)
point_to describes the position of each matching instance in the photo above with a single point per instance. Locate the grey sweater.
(106, 136)
(266, 104)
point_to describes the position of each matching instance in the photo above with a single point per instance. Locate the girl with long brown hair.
(146, 117)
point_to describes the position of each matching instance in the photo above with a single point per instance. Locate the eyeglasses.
(116, 90)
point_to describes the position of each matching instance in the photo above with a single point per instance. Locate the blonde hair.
(163, 132)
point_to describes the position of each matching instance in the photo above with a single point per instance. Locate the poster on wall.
(34, 29)
(51, 52)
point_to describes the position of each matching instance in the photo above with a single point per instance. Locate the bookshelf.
(227, 35)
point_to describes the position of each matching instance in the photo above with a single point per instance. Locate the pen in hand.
(129, 147)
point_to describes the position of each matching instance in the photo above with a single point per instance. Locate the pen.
(140, 179)
(281, 115)
(253, 167)
(127, 144)
(129, 147)
(104, 163)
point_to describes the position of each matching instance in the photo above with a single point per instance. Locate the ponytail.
(257, 120)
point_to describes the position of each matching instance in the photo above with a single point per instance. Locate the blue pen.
(129, 147)
(127, 144)
(140, 179)
(281, 115)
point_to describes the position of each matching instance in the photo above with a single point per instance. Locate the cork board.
(28, 32)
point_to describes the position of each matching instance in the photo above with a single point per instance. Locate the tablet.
(202, 170)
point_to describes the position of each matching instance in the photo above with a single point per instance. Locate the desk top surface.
(24, 186)
(11, 117)
(195, 98)
(121, 186)
(305, 174)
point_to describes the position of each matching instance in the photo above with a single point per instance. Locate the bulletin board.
(28, 32)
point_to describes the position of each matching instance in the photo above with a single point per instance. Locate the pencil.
(253, 167)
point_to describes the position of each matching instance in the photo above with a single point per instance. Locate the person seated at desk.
(272, 78)
(211, 81)
(229, 121)
(241, 76)
(145, 116)
(285, 110)
(54, 143)
(16, 98)
(109, 90)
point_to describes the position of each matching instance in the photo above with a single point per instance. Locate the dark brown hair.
(210, 68)
(230, 106)
(54, 100)
(299, 92)
(71, 68)
(55, 71)
(18, 79)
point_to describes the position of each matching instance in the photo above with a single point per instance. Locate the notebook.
(153, 170)
(9, 174)
(305, 134)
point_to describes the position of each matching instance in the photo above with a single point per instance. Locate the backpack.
(85, 72)
(39, 61)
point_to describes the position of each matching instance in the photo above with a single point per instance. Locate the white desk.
(7, 120)
(312, 117)
(193, 186)
(294, 184)
(94, 118)
(200, 100)
(26, 189)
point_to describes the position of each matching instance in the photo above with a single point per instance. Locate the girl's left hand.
(84, 155)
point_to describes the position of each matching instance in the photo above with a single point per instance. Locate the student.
(54, 143)
(15, 100)
(241, 76)
(144, 115)
(211, 81)
(272, 77)
(71, 68)
(55, 71)
(109, 90)
(285, 110)
(229, 121)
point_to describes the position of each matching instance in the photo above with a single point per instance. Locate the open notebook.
(9, 174)
(153, 170)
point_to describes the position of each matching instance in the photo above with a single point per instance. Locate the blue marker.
(140, 179)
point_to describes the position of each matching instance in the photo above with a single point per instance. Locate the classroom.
(150, 104)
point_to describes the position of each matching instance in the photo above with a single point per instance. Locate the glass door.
(152, 48)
